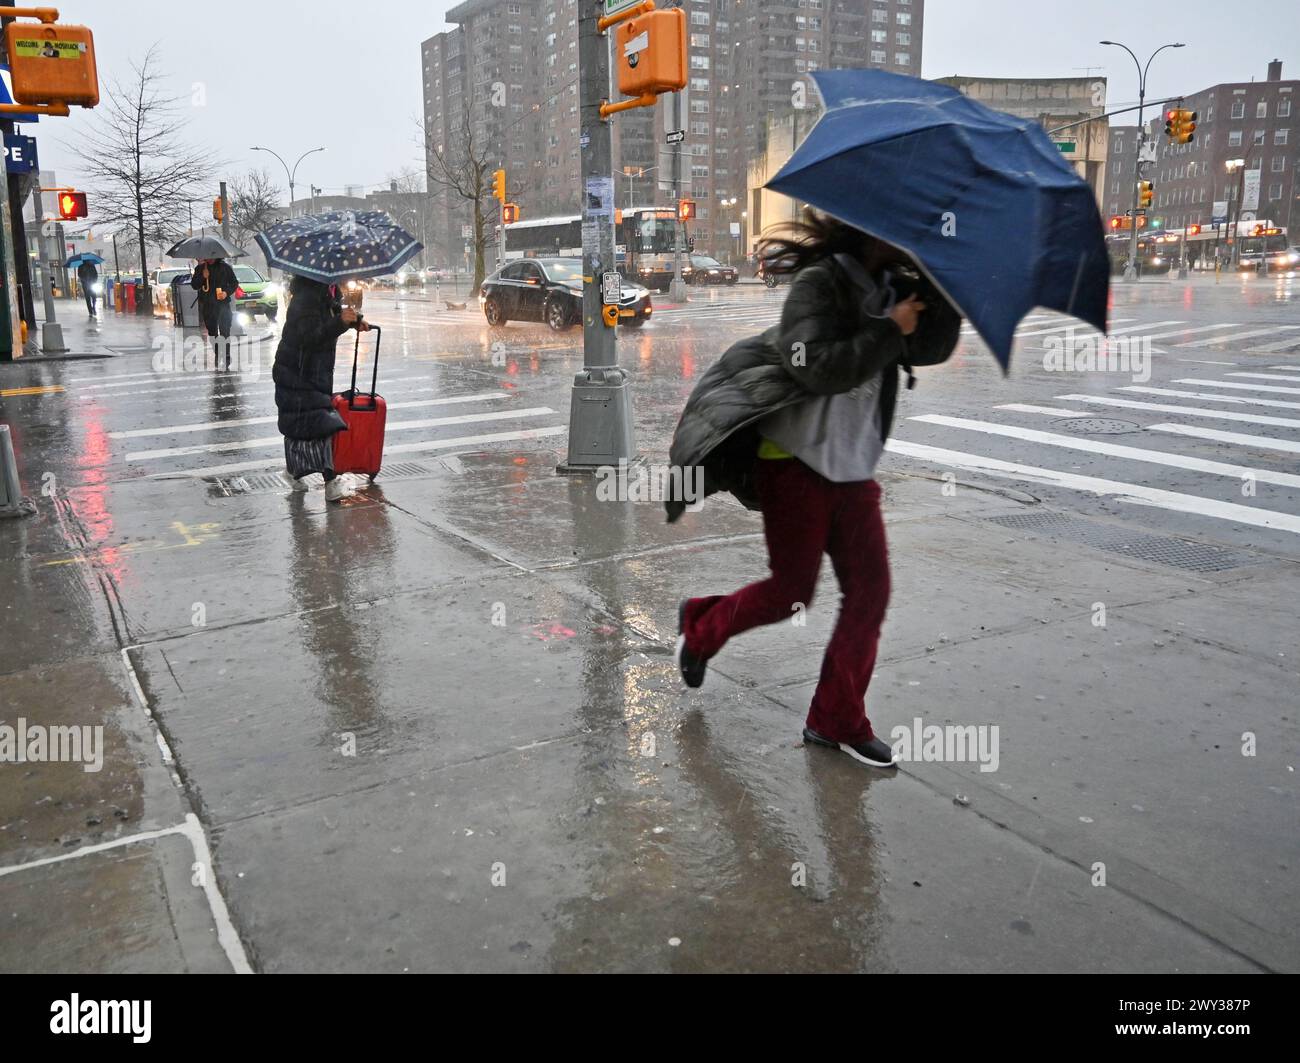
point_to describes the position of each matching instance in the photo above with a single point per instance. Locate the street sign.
(1066, 147)
(1141, 212)
(676, 136)
(20, 154)
(611, 288)
(613, 7)
(467, 232)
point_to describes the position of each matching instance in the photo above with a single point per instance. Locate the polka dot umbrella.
(339, 246)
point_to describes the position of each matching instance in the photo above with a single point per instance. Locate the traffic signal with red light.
(499, 185)
(218, 210)
(686, 210)
(72, 206)
(1193, 230)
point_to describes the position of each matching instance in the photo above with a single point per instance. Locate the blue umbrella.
(339, 246)
(83, 256)
(981, 200)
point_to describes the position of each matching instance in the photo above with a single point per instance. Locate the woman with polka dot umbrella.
(339, 246)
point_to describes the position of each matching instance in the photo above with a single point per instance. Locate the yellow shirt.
(769, 451)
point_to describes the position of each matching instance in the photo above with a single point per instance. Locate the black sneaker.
(874, 754)
(693, 667)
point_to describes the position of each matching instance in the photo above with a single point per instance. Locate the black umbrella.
(206, 247)
(339, 246)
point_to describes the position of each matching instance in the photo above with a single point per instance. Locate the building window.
(1261, 109)
(1284, 108)
(699, 62)
(699, 18)
(902, 58)
(699, 40)
(903, 38)
(1238, 108)
(879, 57)
(1259, 137)
(699, 84)
(880, 16)
(1275, 191)
(1234, 139)
(904, 18)
(1280, 136)
(879, 36)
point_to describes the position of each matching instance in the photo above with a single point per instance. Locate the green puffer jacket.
(826, 344)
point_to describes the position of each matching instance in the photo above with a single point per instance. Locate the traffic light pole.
(51, 330)
(225, 214)
(600, 421)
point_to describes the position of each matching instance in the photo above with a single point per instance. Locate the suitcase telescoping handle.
(356, 361)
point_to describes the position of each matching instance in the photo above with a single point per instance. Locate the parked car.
(705, 270)
(256, 295)
(160, 283)
(550, 290)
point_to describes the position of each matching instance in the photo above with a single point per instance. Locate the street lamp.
(1130, 270)
(632, 173)
(728, 204)
(292, 174)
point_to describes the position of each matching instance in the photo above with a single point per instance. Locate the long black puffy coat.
(304, 362)
(826, 344)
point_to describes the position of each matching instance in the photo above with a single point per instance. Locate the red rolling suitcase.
(361, 448)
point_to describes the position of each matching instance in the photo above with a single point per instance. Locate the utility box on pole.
(601, 434)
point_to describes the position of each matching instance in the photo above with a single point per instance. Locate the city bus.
(645, 239)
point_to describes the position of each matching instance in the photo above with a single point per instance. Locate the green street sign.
(1066, 147)
(613, 7)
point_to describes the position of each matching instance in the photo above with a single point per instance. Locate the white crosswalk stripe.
(1238, 337)
(1185, 411)
(1229, 386)
(1200, 396)
(1236, 438)
(393, 426)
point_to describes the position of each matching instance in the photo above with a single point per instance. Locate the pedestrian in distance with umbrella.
(794, 423)
(215, 281)
(88, 278)
(304, 380)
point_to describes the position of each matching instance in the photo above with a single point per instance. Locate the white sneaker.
(296, 485)
(335, 491)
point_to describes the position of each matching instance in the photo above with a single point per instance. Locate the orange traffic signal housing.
(650, 53)
(52, 64)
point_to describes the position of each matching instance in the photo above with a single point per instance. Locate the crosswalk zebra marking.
(393, 426)
(1138, 494)
(1200, 396)
(1189, 331)
(1017, 407)
(1184, 411)
(408, 448)
(1114, 450)
(206, 426)
(1262, 376)
(1236, 438)
(1242, 336)
(1227, 386)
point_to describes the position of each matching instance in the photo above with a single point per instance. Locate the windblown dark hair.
(791, 246)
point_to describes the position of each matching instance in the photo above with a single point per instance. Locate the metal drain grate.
(278, 483)
(1159, 549)
(1097, 426)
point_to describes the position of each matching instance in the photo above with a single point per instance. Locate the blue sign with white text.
(20, 154)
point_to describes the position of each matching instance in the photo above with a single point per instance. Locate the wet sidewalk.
(440, 728)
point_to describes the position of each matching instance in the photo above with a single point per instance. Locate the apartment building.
(748, 64)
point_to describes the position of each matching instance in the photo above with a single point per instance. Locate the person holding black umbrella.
(88, 278)
(304, 381)
(215, 281)
(794, 423)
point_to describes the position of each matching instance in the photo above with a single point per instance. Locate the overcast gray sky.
(296, 75)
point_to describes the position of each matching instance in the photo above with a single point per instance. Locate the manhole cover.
(1098, 426)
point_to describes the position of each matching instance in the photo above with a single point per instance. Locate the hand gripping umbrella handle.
(356, 360)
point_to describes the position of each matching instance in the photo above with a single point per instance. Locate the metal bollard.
(12, 503)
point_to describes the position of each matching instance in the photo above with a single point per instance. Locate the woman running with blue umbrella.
(928, 207)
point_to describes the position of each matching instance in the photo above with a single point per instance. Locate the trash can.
(185, 304)
(129, 296)
(118, 288)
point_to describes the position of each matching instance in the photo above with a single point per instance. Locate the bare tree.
(464, 169)
(254, 205)
(141, 169)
